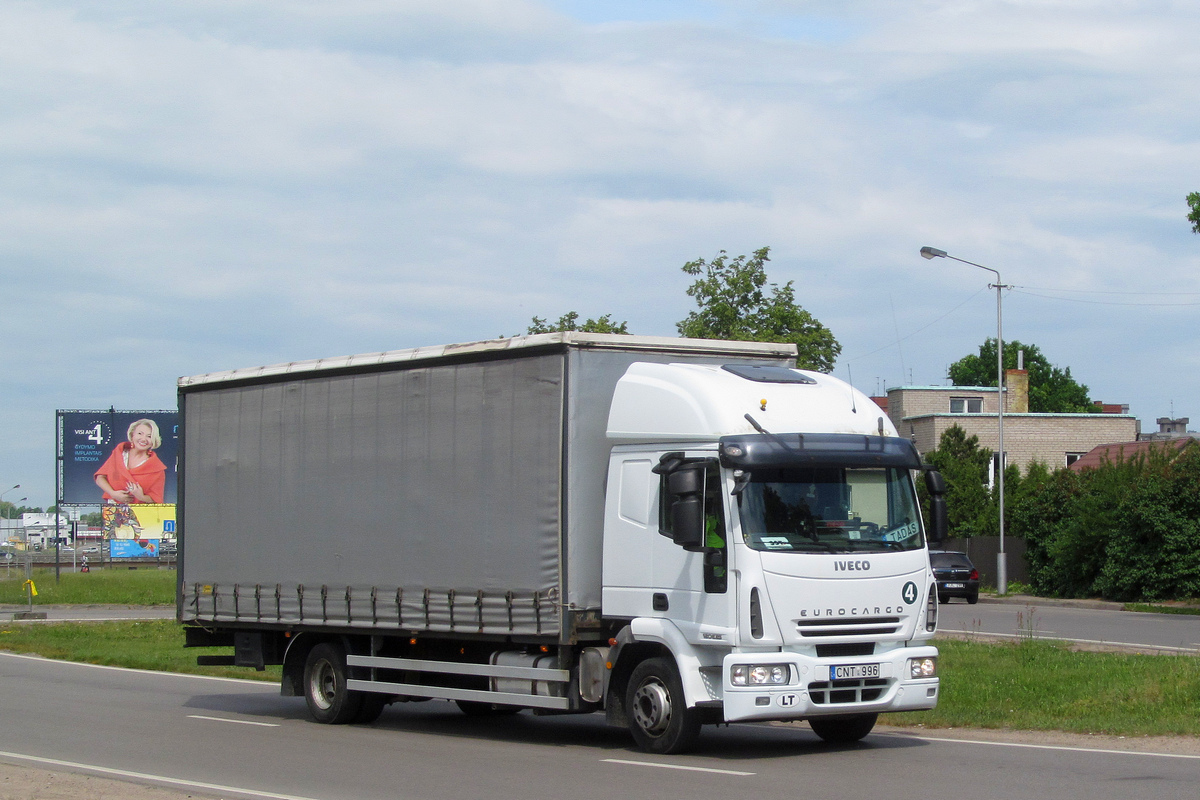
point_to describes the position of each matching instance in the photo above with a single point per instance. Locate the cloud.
(196, 186)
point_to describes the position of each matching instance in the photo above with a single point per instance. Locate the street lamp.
(1001, 557)
(6, 491)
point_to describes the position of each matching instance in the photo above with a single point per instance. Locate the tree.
(733, 305)
(1126, 530)
(964, 465)
(569, 322)
(1051, 390)
(1193, 200)
(12, 510)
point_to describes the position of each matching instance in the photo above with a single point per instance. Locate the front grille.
(848, 649)
(848, 626)
(862, 690)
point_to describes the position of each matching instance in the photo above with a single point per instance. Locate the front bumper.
(812, 693)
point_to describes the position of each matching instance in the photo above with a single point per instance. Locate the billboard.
(91, 441)
(137, 530)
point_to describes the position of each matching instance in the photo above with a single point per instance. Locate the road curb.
(1031, 600)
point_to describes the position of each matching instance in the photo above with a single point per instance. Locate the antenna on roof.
(853, 409)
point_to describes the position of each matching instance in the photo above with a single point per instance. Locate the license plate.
(852, 671)
(956, 586)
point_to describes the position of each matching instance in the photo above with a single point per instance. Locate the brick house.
(1056, 440)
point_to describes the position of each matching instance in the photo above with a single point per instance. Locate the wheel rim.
(652, 707)
(323, 684)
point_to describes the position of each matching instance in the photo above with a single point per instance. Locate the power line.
(919, 330)
(1022, 290)
(1098, 291)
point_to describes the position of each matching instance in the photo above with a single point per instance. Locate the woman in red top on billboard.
(133, 473)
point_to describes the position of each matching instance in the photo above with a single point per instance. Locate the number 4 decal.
(909, 593)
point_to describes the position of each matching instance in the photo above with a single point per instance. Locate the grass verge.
(1154, 608)
(1044, 686)
(120, 586)
(147, 644)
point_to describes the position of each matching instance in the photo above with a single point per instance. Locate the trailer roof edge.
(516, 344)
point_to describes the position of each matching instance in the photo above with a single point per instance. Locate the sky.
(203, 185)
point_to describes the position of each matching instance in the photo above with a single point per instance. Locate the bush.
(1124, 531)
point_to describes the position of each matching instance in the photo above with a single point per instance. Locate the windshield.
(830, 510)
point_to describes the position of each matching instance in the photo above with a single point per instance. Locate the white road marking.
(1047, 747)
(267, 685)
(145, 776)
(235, 721)
(675, 766)
(85, 619)
(1042, 635)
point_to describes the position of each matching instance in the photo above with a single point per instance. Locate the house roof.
(1121, 451)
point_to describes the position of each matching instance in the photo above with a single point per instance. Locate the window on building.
(966, 405)
(992, 468)
(1073, 457)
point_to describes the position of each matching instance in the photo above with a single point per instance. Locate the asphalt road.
(1088, 623)
(238, 739)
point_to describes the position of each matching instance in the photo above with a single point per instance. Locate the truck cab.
(764, 540)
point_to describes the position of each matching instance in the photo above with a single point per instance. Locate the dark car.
(955, 574)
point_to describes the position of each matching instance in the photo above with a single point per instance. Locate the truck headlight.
(922, 667)
(760, 675)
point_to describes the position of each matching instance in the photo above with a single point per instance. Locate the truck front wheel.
(659, 718)
(325, 692)
(843, 730)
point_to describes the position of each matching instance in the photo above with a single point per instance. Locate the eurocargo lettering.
(669, 531)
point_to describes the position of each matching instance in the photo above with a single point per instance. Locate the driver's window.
(716, 568)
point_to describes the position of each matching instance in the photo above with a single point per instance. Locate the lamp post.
(8, 553)
(1001, 557)
(6, 491)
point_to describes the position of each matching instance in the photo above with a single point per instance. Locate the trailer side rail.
(534, 675)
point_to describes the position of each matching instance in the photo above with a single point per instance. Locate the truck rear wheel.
(843, 730)
(659, 718)
(325, 692)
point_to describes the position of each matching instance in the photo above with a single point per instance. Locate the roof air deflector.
(762, 373)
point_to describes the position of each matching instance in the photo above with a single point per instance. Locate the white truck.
(674, 532)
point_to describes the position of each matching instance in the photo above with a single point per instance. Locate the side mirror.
(939, 524)
(683, 482)
(686, 488)
(687, 522)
